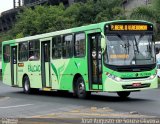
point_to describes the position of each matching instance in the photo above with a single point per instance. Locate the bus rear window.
(6, 53)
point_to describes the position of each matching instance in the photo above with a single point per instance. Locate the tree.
(101, 10)
(44, 19)
(150, 13)
(146, 13)
(39, 20)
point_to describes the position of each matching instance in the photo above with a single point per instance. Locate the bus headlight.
(114, 77)
(118, 79)
(152, 76)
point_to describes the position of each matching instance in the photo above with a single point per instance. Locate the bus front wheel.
(26, 85)
(123, 94)
(80, 89)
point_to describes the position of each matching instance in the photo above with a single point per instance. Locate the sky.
(6, 5)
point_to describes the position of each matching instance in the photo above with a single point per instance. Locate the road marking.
(15, 106)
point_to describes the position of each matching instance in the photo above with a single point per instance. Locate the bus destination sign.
(131, 27)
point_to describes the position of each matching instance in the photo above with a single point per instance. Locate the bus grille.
(136, 77)
(132, 87)
(134, 69)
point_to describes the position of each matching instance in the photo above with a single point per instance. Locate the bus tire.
(26, 85)
(80, 89)
(123, 94)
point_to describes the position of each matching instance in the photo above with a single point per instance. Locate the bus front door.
(14, 65)
(45, 64)
(95, 61)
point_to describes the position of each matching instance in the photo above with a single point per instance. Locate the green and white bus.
(115, 56)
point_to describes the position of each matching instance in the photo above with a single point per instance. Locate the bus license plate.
(136, 84)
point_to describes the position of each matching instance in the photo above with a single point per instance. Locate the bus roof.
(71, 30)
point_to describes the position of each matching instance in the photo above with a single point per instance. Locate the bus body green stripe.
(55, 71)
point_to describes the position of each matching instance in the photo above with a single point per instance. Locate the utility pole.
(14, 4)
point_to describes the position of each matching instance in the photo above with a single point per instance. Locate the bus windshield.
(135, 49)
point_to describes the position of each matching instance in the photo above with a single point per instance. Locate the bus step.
(47, 89)
(14, 85)
(95, 90)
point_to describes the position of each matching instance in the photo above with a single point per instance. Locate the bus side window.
(34, 50)
(23, 51)
(56, 47)
(67, 46)
(6, 53)
(79, 45)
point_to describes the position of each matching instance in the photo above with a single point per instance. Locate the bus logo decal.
(77, 65)
(55, 71)
(61, 68)
(34, 68)
(136, 74)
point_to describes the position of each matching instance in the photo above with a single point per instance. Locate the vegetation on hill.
(44, 19)
(150, 13)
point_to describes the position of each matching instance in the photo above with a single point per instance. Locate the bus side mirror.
(103, 42)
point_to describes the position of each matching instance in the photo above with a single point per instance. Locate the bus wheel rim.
(81, 88)
(26, 86)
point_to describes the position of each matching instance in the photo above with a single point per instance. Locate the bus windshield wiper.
(136, 44)
(126, 45)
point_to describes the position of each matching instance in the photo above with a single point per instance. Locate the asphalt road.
(15, 104)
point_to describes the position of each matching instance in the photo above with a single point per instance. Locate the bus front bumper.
(111, 85)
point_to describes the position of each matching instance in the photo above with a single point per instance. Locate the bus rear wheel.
(123, 94)
(80, 89)
(26, 85)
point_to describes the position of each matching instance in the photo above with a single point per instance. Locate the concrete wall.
(131, 4)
